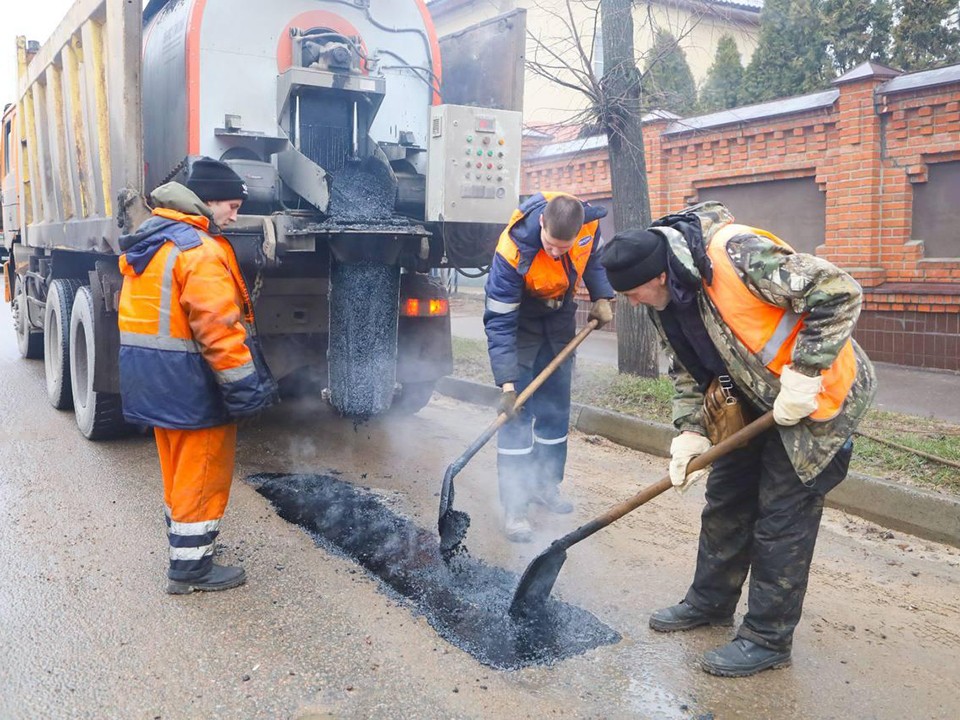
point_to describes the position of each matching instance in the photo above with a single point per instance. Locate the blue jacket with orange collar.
(530, 296)
(189, 354)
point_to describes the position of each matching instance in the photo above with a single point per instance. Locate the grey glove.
(508, 398)
(602, 312)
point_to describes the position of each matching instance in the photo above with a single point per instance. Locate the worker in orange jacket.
(544, 253)
(190, 363)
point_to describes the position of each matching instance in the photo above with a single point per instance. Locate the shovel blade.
(536, 583)
(453, 529)
(451, 524)
(446, 492)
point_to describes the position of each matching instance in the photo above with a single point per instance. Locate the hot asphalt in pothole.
(466, 601)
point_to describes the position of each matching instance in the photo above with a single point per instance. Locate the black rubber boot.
(685, 617)
(218, 577)
(742, 657)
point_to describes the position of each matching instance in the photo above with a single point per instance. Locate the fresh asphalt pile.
(465, 600)
(362, 190)
(364, 291)
(363, 341)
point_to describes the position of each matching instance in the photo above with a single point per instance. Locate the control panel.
(474, 166)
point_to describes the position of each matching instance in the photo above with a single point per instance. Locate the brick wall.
(866, 144)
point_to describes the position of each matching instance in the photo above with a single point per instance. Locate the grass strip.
(648, 398)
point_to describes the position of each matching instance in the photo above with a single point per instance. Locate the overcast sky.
(36, 19)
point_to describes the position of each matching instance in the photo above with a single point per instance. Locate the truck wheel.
(56, 342)
(99, 414)
(413, 397)
(29, 342)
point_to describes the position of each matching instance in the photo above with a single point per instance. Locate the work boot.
(549, 496)
(516, 527)
(743, 657)
(218, 577)
(685, 617)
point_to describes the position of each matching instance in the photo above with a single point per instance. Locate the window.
(598, 52)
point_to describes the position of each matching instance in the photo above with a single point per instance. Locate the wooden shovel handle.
(529, 390)
(762, 424)
(557, 361)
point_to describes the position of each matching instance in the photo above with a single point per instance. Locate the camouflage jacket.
(828, 298)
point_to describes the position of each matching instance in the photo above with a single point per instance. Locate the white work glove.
(684, 448)
(797, 397)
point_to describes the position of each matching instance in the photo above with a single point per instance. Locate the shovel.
(538, 579)
(453, 524)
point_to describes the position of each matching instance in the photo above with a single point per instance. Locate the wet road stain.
(466, 601)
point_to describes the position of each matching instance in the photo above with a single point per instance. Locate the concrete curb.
(900, 507)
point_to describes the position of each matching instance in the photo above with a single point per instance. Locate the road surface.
(86, 630)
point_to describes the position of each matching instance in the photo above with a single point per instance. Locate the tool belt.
(724, 411)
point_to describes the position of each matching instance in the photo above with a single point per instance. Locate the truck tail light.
(424, 307)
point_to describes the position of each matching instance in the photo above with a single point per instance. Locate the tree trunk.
(620, 115)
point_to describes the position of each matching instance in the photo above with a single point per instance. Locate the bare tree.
(620, 117)
(615, 107)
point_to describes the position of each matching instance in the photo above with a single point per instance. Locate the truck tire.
(99, 414)
(29, 342)
(56, 342)
(413, 397)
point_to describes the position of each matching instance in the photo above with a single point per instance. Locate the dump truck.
(363, 179)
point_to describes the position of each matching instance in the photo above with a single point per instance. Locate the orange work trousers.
(197, 468)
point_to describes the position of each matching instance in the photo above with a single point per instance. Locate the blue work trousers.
(532, 446)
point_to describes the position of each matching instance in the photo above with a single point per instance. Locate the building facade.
(865, 174)
(554, 26)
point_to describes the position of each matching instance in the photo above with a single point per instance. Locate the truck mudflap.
(364, 301)
(105, 284)
(8, 280)
(363, 336)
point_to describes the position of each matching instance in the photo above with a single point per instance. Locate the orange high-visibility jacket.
(768, 331)
(544, 277)
(525, 281)
(189, 356)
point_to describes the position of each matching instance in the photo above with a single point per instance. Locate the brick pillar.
(852, 177)
(653, 126)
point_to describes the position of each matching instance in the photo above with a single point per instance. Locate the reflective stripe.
(780, 334)
(195, 528)
(235, 374)
(501, 308)
(508, 451)
(166, 293)
(152, 342)
(191, 553)
(543, 441)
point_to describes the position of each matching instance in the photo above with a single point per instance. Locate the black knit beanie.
(213, 180)
(634, 257)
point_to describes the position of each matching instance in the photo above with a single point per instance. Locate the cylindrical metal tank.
(211, 69)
